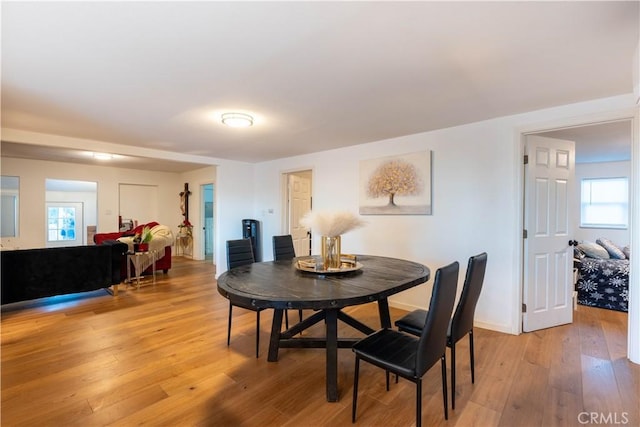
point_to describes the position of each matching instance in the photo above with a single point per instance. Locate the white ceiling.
(316, 75)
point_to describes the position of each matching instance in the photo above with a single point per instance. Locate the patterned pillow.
(593, 250)
(614, 251)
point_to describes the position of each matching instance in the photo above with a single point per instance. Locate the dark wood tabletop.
(280, 285)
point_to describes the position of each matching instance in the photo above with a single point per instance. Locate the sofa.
(162, 241)
(29, 274)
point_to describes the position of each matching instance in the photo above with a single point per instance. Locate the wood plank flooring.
(158, 356)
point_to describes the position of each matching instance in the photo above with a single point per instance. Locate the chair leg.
(229, 326)
(286, 319)
(355, 390)
(443, 362)
(257, 333)
(419, 402)
(453, 375)
(473, 376)
(387, 372)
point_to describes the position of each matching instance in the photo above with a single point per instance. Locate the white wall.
(473, 208)
(601, 170)
(233, 201)
(477, 202)
(138, 203)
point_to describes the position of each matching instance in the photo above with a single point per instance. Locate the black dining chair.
(461, 323)
(410, 357)
(239, 253)
(283, 249)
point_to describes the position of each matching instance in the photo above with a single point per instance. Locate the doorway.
(207, 224)
(71, 212)
(65, 224)
(297, 189)
(603, 146)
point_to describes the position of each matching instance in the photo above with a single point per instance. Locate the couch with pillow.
(603, 274)
(161, 242)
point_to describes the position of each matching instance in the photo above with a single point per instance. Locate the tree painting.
(394, 177)
(396, 185)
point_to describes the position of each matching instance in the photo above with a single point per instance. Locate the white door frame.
(633, 330)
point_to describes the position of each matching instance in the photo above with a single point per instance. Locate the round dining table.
(283, 285)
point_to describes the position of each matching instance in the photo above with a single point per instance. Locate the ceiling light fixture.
(102, 156)
(237, 120)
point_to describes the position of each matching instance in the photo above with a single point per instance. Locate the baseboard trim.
(477, 323)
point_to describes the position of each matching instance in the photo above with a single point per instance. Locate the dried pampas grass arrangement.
(331, 224)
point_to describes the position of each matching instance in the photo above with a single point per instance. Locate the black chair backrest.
(462, 321)
(283, 247)
(433, 340)
(239, 252)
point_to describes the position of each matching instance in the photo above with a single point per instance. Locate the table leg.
(383, 311)
(137, 268)
(128, 270)
(274, 341)
(153, 267)
(332, 354)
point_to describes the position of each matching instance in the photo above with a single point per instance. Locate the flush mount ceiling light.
(102, 156)
(237, 120)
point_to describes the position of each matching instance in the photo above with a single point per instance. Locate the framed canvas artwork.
(396, 185)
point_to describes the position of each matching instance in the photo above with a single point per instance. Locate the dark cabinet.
(251, 230)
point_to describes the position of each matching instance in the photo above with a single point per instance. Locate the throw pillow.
(614, 251)
(627, 252)
(593, 250)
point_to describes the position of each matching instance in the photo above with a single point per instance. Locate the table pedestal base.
(330, 342)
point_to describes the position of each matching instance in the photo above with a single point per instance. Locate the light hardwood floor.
(158, 356)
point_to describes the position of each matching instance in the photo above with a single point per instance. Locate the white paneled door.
(549, 223)
(299, 205)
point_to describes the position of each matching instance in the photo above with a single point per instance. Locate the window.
(61, 223)
(9, 205)
(604, 203)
